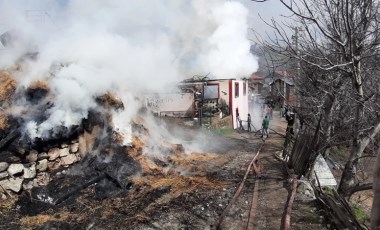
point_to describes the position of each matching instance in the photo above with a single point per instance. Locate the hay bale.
(7, 86)
(109, 100)
(4, 124)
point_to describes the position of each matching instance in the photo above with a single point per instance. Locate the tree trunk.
(375, 213)
(358, 145)
(349, 173)
(328, 106)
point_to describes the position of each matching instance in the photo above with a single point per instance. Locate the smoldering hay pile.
(72, 86)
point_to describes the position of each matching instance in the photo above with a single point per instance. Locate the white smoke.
(127, 47)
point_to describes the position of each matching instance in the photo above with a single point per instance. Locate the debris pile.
(88, 163)
(26, 162)
(59, 166)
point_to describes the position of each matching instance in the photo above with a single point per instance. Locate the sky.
(258, 11)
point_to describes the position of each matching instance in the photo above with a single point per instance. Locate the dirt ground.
(192, 200)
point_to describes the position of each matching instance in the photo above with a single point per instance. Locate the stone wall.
(33, 169)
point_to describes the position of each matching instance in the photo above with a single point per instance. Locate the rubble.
(14, 169)
(69, 159)
(42, 156)
(54, 165)
(42, 179)
(13, 184)
(14, 159)
(3, 175)
(53, 154)
(3, 166)
(9, 157)
(35, 160)
(30, 172)
(32, 156)
(42, 165)
(28, 185)
(306, 190)
(74, 147)
(64, 151)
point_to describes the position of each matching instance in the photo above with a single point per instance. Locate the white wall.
(240, 102)
(178, 102)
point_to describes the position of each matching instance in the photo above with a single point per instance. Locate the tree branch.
(359, 187)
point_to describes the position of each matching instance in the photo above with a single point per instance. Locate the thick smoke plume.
(89, 47)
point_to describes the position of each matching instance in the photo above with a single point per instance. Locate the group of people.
(289, 116)
(265, 124)
(286, 112)
(240, 122)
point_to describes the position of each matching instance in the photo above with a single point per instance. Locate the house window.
(236, 89)
(211, 91)
(244, 88)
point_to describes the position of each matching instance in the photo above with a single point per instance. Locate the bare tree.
(339, 36)
(336, 60)
(375, 212)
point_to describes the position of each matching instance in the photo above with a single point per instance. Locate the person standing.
(239, 122)
(265, 126)
(270, 112)
(249, 122)
(290, 120)
(286, 111)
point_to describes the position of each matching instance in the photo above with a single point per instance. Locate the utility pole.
(296, 37)
(297, 77)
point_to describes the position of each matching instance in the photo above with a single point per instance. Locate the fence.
(301, 151)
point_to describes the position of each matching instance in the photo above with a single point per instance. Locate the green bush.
(360, 213)
(223, 132)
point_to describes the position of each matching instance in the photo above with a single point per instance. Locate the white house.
(223, 98)
(207, 100)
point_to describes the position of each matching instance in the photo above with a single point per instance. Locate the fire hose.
(238, 191)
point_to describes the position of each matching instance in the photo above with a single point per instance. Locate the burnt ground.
(192, 200)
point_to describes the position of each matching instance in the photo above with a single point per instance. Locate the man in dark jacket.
(290, 119)
(249, 122)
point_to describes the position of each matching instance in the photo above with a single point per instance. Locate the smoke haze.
(89, 47)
